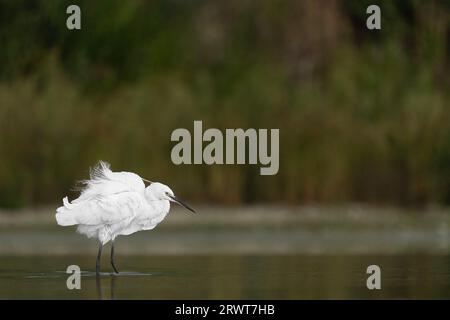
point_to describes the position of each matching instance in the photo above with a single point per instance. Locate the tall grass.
(362, 117)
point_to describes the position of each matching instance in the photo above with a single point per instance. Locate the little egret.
(116, 203)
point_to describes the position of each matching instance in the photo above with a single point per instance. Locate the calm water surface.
(243, 253)
(228, 277)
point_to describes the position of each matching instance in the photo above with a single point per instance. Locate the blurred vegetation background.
(363, 115)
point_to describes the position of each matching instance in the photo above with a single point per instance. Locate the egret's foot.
(114, 268)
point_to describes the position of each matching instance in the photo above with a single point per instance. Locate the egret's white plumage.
(116, 203)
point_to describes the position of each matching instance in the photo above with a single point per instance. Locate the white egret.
(116, 203)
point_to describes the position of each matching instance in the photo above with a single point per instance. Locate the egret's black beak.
(181, 203)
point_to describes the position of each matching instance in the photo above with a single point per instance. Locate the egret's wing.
(104, 182)
(102, 210)
(147, 219)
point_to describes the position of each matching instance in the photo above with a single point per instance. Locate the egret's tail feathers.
(65, 219)
(63, 215)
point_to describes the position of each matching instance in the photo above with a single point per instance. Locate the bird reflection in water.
(98, 281)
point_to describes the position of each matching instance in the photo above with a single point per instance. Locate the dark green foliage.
(364, 115)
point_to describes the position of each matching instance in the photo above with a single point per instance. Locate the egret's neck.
(149, 194)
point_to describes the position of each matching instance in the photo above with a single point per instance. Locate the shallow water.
(228, 277)
(243, 253)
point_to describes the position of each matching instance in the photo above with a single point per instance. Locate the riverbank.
(351, 229)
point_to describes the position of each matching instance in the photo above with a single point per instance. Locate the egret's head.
(162, 192)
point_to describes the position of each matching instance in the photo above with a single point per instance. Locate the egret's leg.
(98, 283)
(97, 264)
(112, 258)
